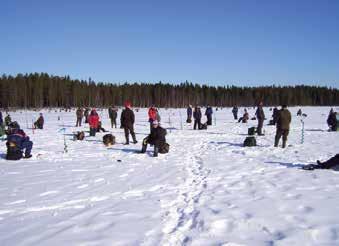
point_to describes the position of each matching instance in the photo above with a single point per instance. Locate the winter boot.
(144, 147)
(284, 144)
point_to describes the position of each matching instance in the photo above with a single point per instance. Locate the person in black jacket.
(127, 122)
(333, 162)
(332, 120)
(156, 138)
(260, 117)
(197, 118)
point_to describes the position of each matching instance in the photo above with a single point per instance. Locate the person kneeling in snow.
(156, 138)
(17, 141)
(40, 122)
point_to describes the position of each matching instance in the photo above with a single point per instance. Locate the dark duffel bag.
(251, 131)
(13, 152)
(108, 140)
(79, 136)
(250, 142)
(164, 148)
(203, 126)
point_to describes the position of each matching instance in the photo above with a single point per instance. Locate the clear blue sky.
(211, 42)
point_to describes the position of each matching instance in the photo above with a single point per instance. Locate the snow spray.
(302, 130)
(180, 120)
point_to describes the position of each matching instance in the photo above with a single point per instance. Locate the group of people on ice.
(18, 142)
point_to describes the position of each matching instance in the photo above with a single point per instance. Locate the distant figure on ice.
(275, 115)
(17, 141)
(39, 124)
(332, 120)
(2, 127)
(127, 122)
(283, 126)
(299, 113)
(86, 113)
(331, 163)
(156, 138)
(113, 114)
(260, 117)
(8, 120)
(189, 114)
(80, 115)
(197, 117)
(208, 113)
(152, 115)
(93, 120)
(235, 112)
(245, 117)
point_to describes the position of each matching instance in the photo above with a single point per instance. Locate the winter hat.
(155, 122)
(127, 104)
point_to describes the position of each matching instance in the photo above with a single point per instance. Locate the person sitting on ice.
(245, 117)
(39, 124)
(17, 141)
(330, 163)
(156, 138)
(332, 120)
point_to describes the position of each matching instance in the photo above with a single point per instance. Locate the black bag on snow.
(164, 148)
(251, 131)
(108, 139)
(203, 126)
(13, 152)
(250, 141)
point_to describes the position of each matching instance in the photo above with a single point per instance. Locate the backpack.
(108, 140)
(250, 141)
(251, 131)
(164, 148)
(14, 153)
(79, 136)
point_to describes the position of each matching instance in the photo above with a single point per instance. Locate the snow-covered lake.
(208, 190)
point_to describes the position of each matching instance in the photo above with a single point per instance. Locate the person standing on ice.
(197, 117)
(283, 126)
(1, 119)
(235, 112)
(189, 114)
(156, 138)
(208, 113)
(332, 120)
(152, 115)
(260, 117)
(93, 120)
(127, 119)
(80, 115)
(86, 113)
(113, 114)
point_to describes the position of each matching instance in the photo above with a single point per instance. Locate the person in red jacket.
(93, 120)
(152, 115)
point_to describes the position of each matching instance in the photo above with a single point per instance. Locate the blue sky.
(211, 42)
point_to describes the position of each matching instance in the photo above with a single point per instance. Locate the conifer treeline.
(42, 90)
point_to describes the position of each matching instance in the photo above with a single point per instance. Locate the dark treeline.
(42, 90)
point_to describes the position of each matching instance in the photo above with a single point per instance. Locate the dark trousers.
(260, 125)
(284, 134)
(197, 122)
(27, 145)
(209, 120)
(92, 131)
(235, 115)
(129, 130)
(114, 122)
(79, 121)
(144, 147)
(331, 162)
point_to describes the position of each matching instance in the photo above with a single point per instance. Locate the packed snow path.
(209, 190)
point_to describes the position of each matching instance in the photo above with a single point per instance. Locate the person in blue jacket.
(208, 113)
(17, 142)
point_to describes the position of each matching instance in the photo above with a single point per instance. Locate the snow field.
(208, 190)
